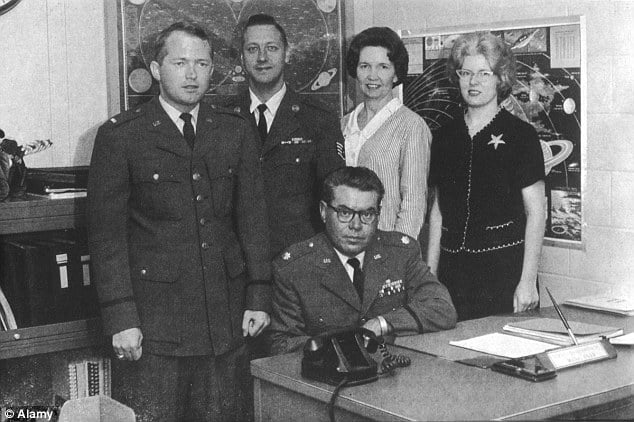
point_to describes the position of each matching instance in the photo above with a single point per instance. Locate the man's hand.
(127, 344)
(254, 322)
(526, 297)
(373, 325)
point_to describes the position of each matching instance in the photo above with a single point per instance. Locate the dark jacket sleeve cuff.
(259, 295)
(119, 315)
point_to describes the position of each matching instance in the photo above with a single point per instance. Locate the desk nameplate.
(580, 354)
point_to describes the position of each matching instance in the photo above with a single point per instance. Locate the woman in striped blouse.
(384, 135)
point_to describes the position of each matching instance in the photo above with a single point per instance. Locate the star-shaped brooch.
(496, 140)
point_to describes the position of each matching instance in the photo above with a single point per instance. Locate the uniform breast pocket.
(293, 168)
(158, 190)
(222, 184)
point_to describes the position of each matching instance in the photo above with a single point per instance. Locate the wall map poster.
(548, 94)
(313, 27)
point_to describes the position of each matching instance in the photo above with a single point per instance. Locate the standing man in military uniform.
(179, 242)
(301, 141)
(354, 275)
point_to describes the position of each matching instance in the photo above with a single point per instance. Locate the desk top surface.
(435, 388)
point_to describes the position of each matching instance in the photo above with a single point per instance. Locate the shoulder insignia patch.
(397, 239)
(294, 252)
(125, 116)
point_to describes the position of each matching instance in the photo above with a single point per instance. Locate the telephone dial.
(344, 355)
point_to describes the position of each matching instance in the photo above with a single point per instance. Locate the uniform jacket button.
(205, 245)
(196, 176)
(143, 271)
(202, 221)
(199, 198)
(155, 176)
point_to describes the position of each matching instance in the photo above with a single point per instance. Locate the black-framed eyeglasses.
(346, 215)
(481, 75)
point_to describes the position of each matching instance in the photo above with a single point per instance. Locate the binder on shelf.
(46, 277)
(25, 283)
(605, 303)
(551, 330)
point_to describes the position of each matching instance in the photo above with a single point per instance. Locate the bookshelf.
(34, 214)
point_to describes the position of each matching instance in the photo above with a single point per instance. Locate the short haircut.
(379, 37)
(192, 29)
(361, 178)
(262, 19)
(496, 52)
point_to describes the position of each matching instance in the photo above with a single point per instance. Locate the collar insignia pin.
(156, 123)
(326, 260)
(295, 108)
(377, 256)
(237, 109)
(286, 256)
(405, 240)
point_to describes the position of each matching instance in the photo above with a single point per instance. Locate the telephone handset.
(341, 354)
(345, 354)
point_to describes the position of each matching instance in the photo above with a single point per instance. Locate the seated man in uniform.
(353, 274)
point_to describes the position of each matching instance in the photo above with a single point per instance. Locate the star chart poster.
(313, 28)
(548, 95)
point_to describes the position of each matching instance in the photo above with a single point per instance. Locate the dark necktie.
(188, 129)
(262, 129)
(358, 277)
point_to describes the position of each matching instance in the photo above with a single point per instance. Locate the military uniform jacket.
(165, 254)
(313, 292)
(303, 145)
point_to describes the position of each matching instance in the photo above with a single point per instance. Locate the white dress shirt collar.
(344, 260)
(175, 114)
(272, 105)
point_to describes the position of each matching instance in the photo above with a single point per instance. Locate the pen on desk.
(562, 317)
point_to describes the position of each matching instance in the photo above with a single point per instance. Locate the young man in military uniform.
(353, 274)
(301, 141)
(176, 220)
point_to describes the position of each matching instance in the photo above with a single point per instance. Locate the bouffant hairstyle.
(379, 37)
(496, 52)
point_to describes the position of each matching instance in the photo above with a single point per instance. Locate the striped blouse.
(398, 152)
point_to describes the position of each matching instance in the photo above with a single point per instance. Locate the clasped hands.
(127, 344)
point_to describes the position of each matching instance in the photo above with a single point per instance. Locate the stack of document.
(553, 331)
(605, 303)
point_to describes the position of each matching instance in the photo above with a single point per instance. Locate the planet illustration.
(551, 160)
(324, 79)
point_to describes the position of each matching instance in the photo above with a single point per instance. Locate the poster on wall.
(313, 27)
(548, 95)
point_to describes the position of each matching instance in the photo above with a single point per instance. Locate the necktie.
(188, 129)
(358, 277)
(262, 129)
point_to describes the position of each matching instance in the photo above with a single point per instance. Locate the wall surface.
(607, 263)
(53, 85)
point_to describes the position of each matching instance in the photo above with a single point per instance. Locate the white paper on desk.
(504, 345)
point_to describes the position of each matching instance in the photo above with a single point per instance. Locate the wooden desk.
(434, 388)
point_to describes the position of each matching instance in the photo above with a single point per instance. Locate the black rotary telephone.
(341, 354)
(343, 358)
(345, 354)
